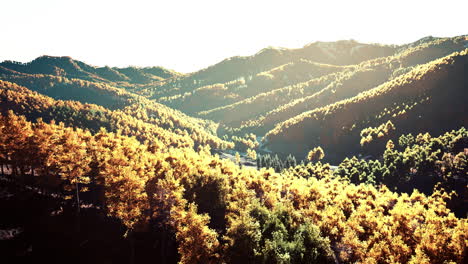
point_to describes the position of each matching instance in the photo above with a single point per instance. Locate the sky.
(190, 35)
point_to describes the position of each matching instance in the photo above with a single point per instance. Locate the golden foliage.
(364, 224)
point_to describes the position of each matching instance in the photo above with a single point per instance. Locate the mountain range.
(285, 100)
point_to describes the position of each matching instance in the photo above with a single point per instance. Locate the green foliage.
(268, 161)
(276, 238)
(360, 171)
(317, 170)
(421, 162)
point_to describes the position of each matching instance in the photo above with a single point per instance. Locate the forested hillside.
(143, 119)
(429, 98)
(245, 68)
(299, 97)
(70, 68)
(337, 152)
(367, 75)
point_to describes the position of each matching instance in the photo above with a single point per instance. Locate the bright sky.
(193, 34)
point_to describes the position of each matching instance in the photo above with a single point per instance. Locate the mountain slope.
(223, 94)
(283, 97)
(430, 98)
(231, 69)
(365, 76)
(145, 120)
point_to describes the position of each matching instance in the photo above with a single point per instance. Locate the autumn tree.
(316, 154)
(237, 158)
(252, 154)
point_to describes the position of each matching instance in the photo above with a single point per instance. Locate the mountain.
(234, 68)
(254, 94)
(242, 97)
(431, 97)
(346, 84)
(271, 97)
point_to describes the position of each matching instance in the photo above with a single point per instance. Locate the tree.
(277, 164)
(71, 157)
(290, 161)
(16, 133)
(390, 145)
(316, 154)
(252, 154)
(197, 242)
(237, 157)
(259, 161)
(272, 236)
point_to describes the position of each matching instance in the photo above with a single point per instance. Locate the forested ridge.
(432, 93)
(337, 152)
(144, 119)
(68, 67)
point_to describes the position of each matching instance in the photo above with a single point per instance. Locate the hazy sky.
(190, 35)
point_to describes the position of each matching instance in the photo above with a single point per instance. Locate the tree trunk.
(132, 246)
(77, 198)
(163, 247)
(78, 219)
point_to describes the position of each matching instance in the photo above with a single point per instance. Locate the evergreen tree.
(259, 161)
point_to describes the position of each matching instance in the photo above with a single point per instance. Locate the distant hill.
(246, 67)
(235, 98)
(70, 68)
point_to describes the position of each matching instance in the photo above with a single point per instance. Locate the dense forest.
(337, 152)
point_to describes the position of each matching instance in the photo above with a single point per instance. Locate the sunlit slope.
(349, 83)
(243, 94)
(349, 79)
(261, 112)
(431, 97)
(149, 122)
(63, 88)
(234, 68)
(223, 94)
(73, 85)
